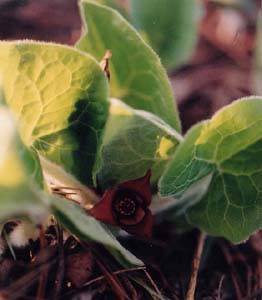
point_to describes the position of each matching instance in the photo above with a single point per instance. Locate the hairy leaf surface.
(134, 142)
(59, 96)
(137, 77)
(229, 147)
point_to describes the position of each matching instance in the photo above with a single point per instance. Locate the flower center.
(125, 204)
(126, 207)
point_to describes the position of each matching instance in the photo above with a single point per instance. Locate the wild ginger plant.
(66, 127)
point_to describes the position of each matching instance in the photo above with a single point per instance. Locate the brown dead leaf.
(79, 267)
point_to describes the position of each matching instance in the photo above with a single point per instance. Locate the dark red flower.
(126, 206)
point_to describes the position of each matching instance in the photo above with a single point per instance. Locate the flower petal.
(102, 211)
(143, 229)
(141, 186)
(137, 218)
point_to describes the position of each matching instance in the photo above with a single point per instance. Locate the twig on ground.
(44, 273)
(130, 288)
(242, 258)
(113, 281)
(152, 283)
(234, 274)
(100, 278)
(61, 265)
(253, 295)
(118, 272)
(195, 266)
(219, 290)
(259, 271)
(16, 290)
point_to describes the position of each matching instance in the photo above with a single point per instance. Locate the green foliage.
(60, 98)
(116, 6)
(134, 142)
(229, 148)
(171, 27)
(18, 169)
(20, 197)
(137, 77)
(184, 170)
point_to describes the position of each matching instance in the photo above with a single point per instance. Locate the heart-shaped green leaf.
(137, 77)
(134, 142)
(184, 170)
(229, 147)
(59, 96)
(171, 27)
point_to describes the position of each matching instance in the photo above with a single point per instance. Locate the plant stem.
(195, 266)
